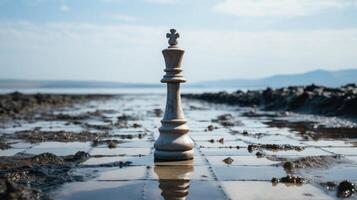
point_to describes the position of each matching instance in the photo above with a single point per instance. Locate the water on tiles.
(104, 148)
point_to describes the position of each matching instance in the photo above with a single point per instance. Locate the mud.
(110, 143)
(12, 191)
(298, 180)
(3, 144)
(16, 104)
(36, 136)
(314, 162)
(211, 128)
(226, 120)
(274, 147)
(346, 189)
(315, 131)
(40, 172)
(310, 99)
(27, 174)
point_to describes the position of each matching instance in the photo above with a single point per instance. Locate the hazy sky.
(121, 40)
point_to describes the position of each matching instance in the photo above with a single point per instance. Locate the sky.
(122, 40)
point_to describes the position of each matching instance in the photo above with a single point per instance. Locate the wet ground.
(239, 153)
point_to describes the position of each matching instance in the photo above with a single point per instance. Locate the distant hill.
(318, 77)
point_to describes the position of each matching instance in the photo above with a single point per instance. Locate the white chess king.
(174, 143)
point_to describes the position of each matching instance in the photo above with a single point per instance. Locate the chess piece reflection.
(174, 180)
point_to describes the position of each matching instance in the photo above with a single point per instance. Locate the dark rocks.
(311, 99)
(274, 147)
(226, 120)
(136, 125)
(289, 179)
(228, 160)
(158, 112)
(210, 128)
(12, 191)
(288, 166)
(4, 145)
(345, 189)
(123, 120)
(110, 143)
(260, 154)
(221, 140)
(309, 162)
(78, 157)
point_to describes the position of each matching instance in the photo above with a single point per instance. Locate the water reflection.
(174, 178)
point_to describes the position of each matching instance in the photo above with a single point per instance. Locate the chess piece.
(174, 143)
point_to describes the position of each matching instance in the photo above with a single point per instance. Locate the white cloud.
(162, 1)
(126, 18)
(64, 8)
(262, 8)
(133, 53)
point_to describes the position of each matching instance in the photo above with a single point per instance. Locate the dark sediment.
(289, 179)
(346, 189)
(228, 160)
(310, 99)
(274, 147)
(314, 162)
(226, 120)
(36, 136)
(25, 175)
(312, 130)
(16, 104)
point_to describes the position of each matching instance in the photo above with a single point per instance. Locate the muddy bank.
(313, 131)
(28, 176)
(25, 176)
(310, 99)
(14, 104)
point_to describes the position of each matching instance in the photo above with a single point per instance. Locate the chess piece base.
(173, 155)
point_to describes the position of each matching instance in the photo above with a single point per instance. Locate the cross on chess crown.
(173, 35)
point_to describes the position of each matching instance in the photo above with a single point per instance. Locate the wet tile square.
(138, 143)
(217, 144)
(336, 173)
(208, 136)
(343, 150)
(225, 152)
(109, 190)
(352, 158)
(11, 152)
(261, 173)
(239, 160)
(328, 143)
(120, 151)
(60, 148)
(265, 190)
(125, 173)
